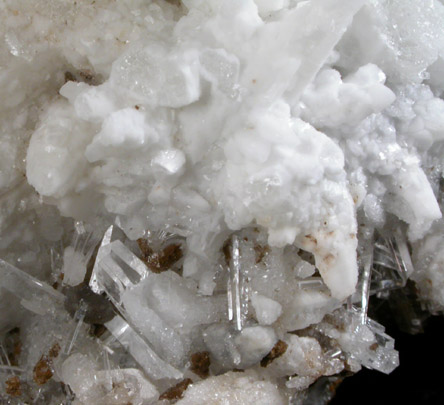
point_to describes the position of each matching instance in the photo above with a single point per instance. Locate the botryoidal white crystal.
(199, 198)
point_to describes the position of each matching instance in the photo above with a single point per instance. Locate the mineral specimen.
(201, 199)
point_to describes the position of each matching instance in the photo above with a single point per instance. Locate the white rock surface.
(233, 388)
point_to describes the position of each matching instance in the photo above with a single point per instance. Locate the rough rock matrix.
(200, 198)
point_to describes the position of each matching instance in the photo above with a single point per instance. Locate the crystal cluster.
(200, 199)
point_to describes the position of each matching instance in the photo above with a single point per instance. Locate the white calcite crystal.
(199, 198)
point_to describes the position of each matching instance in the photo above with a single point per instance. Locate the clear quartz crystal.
(7, 365)
(370, 345)
(312, 283)
(154, 367)
(77, 255)
(34, 295)
(79, 316)
(112, 233)
(117, 270)
(392, 264)
(238, 290)
(386, 358)
(365, 272)
(234, 287)
(124, 277)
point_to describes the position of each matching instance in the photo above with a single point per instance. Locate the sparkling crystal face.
(207, 201)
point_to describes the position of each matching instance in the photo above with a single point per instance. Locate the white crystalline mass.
(251, 148)
(254, 343)
(189, 129)
(250, 160)
(366, 345)
(108, 387)
(304, 360)
(233, 388)
(267, 310)
(234, 154)
(330, 101)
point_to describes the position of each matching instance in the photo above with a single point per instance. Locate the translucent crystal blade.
(392, 263)
(79, 316)
(384, 358)
(77, 255)
(312, 283)
(404, 260)
(119, 274)
(112, 233)
(151, 363)
(234, 285)
(163, 338)
(370, 344)
(34, 295)
(365, 261)
(117, 270)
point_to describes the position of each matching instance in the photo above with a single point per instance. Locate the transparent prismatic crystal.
(117, 270)
(237, 288)
(155, 367)
(385, 358)
(312, 283)
(34, 295)
(77, 255)
(119, 274)
(79, 317)
(365, 259)
(365, 344)
(112, 233)
(392, 264)
(233, 285)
